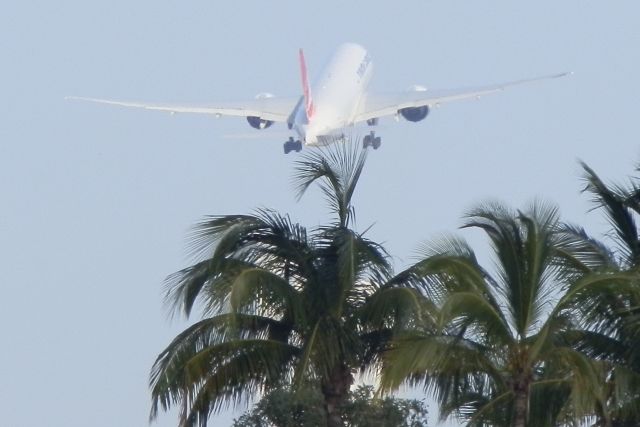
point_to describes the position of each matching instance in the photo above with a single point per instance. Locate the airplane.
(339, 99)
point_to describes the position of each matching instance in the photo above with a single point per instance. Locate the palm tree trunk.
(520, 416)
(335, 389)
(521, 402)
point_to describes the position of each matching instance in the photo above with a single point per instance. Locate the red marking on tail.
(306, 90)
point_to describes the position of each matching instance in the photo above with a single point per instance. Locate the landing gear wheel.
(371, 141)
(288, 146)
(292, 145)
(366, 141)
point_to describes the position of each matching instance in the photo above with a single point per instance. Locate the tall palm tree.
(503, 353)
(616, 339)
(281, 304)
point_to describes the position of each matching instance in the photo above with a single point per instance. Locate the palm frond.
(205, 235)
(422, 358)
(272, 293)
(522, 243)
(587, 394)
(237, 242)
(588, 295)
(625, 400)
(619, 215)
(360, 266)
(169, 379)
(481, 410)
(242, 369)
(473, 308)
(598, 345)
(538, 261)
(549, 403)
(578, 253)
(395, 308)
(338, 168)
(214, 278)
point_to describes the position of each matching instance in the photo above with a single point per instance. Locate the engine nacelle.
(414, 114)
(258, 123)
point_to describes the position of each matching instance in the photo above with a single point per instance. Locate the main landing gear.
(371, 140)
(292, 145)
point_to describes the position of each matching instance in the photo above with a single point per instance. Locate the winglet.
(306, 90)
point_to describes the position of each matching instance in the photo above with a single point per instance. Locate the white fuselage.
(336, 96)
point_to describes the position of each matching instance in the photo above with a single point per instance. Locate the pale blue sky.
(96, 200)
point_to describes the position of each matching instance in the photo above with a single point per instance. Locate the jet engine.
(257, 122)
(415, 114)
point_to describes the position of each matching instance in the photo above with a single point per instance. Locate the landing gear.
(371, 140)
(292, 145)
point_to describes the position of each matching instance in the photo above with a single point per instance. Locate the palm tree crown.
(281, 304)
(616, 339)
(502, 350)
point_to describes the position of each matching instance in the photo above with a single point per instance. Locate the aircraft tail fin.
(306, 90)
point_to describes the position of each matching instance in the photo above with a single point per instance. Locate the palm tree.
(616, 339)
(282, 305)
(502, 352)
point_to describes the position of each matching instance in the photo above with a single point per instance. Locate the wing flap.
(381, 105)
(273, 109)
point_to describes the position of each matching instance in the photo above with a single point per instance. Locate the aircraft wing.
(272, 108)
(381, 105)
